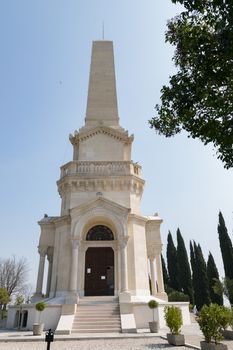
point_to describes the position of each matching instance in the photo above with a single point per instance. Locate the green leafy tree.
(172, 263)
(198, 98)
(213, 275)
(165, 273)
(200, 281)
(184, 272)
(226, 248)
(19, 300)
(4, 298)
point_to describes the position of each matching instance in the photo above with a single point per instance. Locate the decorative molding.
(42, 250)
(50, 254)
(154, 250)
(75, 242)
(85, 134)
(123, 242)
(100, 168)
(100, 203)
(141, 220)
(55, 220)
(129, 183)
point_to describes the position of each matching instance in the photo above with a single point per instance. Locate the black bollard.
(49, 338)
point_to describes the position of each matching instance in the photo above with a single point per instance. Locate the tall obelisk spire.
(102, 97)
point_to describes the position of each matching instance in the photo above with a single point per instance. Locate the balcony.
(103, 168)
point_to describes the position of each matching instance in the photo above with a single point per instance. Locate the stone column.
(74, 265)
(50, 261)
(124, 265)
(42, 251)
(159, 274)
(153, 278)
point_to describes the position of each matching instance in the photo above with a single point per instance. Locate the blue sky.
(44, 67)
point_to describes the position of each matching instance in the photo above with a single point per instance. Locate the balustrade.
(100, 168)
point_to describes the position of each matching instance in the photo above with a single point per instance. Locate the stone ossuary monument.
(101, 249)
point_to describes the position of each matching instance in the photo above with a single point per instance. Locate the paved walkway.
(143, 340)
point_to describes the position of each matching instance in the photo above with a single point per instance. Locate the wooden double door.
(99, 271)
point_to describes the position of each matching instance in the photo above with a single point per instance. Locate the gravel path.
(101, 344)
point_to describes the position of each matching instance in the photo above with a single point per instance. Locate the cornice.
(138, 218)
(85, 134)
(73, 183)
(54, 220)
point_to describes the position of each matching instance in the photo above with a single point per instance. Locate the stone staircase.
(97, 315)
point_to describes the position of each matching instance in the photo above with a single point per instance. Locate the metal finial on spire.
(103, 31)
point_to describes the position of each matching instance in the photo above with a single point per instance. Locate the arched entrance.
(99, 263)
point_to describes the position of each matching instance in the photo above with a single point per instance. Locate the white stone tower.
(101, 189)
(101, 244)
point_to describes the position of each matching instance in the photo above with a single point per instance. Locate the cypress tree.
(184, 272)
(165, 273)
(195, 284)
(226, 247)
(172, 263)
(213, 275)
(200, 281)
(202, 277)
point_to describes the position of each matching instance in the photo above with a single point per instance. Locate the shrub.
(212, 320)
(177, 296)
(231, 317)
(40, 306)
(153, 304)
(173, 319)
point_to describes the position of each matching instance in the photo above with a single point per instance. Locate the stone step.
(94, 325)
(114, 330)
(97, 315)
(91, 323)
(96, 312)
(101, 318)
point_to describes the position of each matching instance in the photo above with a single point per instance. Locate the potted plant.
(173, 318)
(38, 327)
(153, 304)
(211, 322)
(227, 322)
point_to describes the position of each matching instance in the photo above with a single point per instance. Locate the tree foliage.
(172, 263)
(184, 272)
(200, 281)
(165, 273)
(13, 275)
(198, 98)
(213, 276)
(226, 247)
(211, 321)
(224, 287)
(173, 318)
(4, 298)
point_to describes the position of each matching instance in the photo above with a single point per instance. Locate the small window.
(100, 233)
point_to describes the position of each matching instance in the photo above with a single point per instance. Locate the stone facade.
(102, 187)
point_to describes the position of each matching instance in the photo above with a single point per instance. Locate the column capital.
(42, 250)
(123, 242)
(154, 250)
(50, 254)
(75, 241)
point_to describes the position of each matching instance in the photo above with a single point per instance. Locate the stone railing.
(84, 168)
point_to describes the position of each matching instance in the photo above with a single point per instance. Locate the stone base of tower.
(134, 314)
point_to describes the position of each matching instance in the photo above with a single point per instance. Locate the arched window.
(100, 233)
